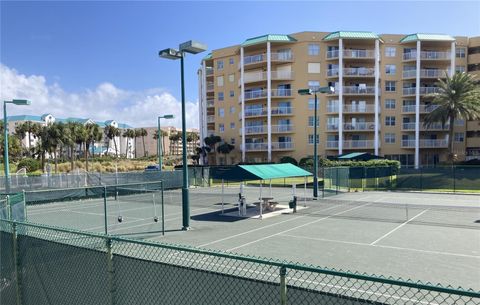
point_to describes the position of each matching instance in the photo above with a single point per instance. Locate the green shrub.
(305, 162)
(30, 164)
(288, 159)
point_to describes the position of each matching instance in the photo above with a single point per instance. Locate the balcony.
(333, 54)
(251, 60)
(254, 129)
(332, 108)
(275, 93)
(210, 87)
(256, 146)
(427, 55)
(426, 73)
(210, 103)
(359, 126)
(358, 72)
(282, 128)
(362, 54)
(209, 71)
(281, 57)
(282, 146)
(332, 72)
(282, 75)
(352, 144)
(358, 90)
(210, 119)
(332, 127)
(275, 111)
(282, 111)
(210, 131)
(425, 143)
(423, 108)
(423, 90)
(358, 108)
(436, 126)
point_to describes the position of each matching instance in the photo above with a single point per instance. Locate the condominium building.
(171, 142)
(248, 96)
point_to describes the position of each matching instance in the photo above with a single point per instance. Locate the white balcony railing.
(358, 53)
(263, 111)
(282, 92)
(252, 59)
(209, 71)
(359, 108)
(358, 144)
(332, 108)
(263, 93)
(281, 56)
(359, 126)
(282, 128)
(434, 126)
(332, 144)
(254, 77)
(254, 129)
(210, 118)
(210, 87)
(275, 56)
(332, 72)
(358, 90)
(427, 55)
(333, 54)
(282, 145)
(426, 73)
(425, 143)
(423, 90)
(276, 75)
(282, 110)
(264, 146)
(210, 103)
(256, 146)
(332, 127)
(423, 108)
(361, 72)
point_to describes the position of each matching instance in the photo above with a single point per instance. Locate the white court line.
(300, 226)
(395, 229)
(261, 228)
(383, 246)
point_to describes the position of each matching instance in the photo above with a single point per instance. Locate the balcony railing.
(263, 111)
(352, 144)
(332, 127)
(209, 71)
(423, 108)
(282, 110)
(263, 93)
(358, 90)
(264, 146)
(332, 108)
(210, 119)
(359, 126)
(427, 55)
(333, 54)
(425, 143)
(423, 90)
(360, 72)
(282, 75)
(332, 72)
(256, 58)
(282, 128)
(281, 56)
(282, 145)
(210, 103)
(359, 108)
(434, 126)
(254, 129)
(256, 146)
(426, 73)
(210, 87)
(259, 58)
(358, 53)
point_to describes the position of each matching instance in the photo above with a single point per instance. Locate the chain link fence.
(49, 265)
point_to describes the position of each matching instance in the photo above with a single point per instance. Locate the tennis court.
(428, 237)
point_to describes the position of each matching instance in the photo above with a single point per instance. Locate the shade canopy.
(358, 156)
(258, 172)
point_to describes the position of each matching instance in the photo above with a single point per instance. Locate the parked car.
(153, 167)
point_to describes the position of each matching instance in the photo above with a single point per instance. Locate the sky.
(99, 59)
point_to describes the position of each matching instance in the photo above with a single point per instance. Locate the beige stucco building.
(248, 96)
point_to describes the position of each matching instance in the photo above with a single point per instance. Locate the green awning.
(351, 35)
(426, 37)
(272, 171)
(266, 38)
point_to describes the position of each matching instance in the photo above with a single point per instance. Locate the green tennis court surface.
(428, 237)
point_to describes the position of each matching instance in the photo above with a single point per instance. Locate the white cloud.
(105, 102)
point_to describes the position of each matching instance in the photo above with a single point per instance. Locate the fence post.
(454, 184)
(336, 180)
(163, 212)
(111, 272)
(16, 259)
(421, 179)
(283, 285)
(105, 212)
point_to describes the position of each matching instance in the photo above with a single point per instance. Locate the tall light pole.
(159, 139)
(5, 140)
(315, 123)
(191, 47)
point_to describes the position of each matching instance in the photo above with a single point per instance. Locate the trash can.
(293, 204)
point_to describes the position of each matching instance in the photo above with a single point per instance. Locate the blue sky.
(76, 46)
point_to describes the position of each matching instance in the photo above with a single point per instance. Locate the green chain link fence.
(49, 265)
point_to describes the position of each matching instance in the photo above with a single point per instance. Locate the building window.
(221, 127)
(390, 86)
(313, 67)
(459, 122)
(232, 93)
(220, 81)
(221, 112)
(231, 61)
(460, 69)
(390, 51)
(231, 78)
(460, 52)
(313, 84)
(311, 119)
(232, 109)
(390, 69)
(220, 65)
(310, 139)
(389, 104)
(311, 104)
(232, 141)
(313, 49)
(459, 137)
(390, 121)
(232, 125)
(220, 96)
(389, 138)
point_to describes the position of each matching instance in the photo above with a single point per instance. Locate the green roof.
(351, 35)
(266, 38)
(426, 37)
(272, 171)
(209, 56)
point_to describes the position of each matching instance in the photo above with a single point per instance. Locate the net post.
(111, 271)
(283, 285)
(24, 206)
(163, 209)
(16, 259)
(105, 212)
(9, 208)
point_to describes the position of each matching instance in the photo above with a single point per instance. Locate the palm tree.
(54, 132)
(137, 135)
(70, 138)
(225, 149)
(127, 134)
(174, 139)
(92, 134)
(20, 132)
(112, 133)
(155, 136)
(458, 98)
(143, 133)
